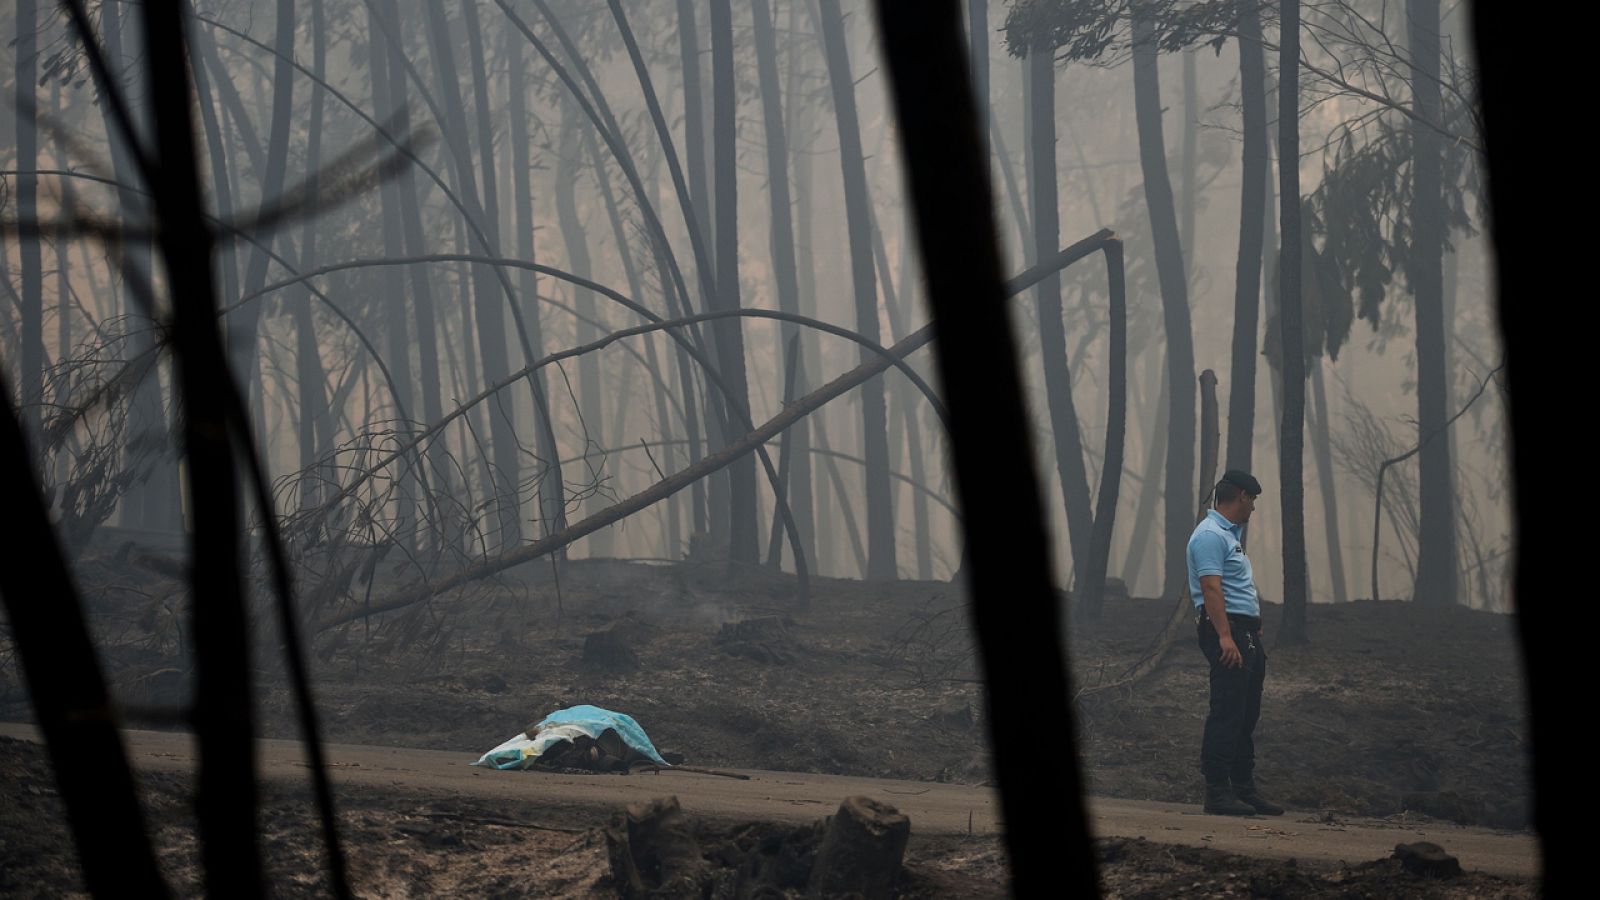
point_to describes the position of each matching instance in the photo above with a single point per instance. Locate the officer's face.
(1238, 512)
(1247, 505)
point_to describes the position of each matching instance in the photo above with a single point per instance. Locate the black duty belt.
(1248, 623)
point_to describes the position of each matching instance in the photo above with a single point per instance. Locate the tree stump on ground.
(653, 851)
(861, 851)
(610, 651)
(765, 639)
(1425, 858)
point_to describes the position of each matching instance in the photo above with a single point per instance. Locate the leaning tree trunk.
(1436, 544)
(1247, 271)
(874, 424)
(1291, 443)
(1175, 306)
(1041, 165)
(744, 538)
(67, 690)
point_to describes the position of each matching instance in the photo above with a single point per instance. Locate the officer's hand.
(1230, 654)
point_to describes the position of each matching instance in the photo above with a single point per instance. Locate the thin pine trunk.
(487, 310)
(551, 490)
(1064, 427)
(1181, 382)
(1247, 272)
(1437, 554)
(1291, 444)
(744, 535)
(785, 275)
(1325, 481)
(874, 426)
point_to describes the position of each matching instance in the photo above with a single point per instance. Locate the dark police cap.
(1242, 480)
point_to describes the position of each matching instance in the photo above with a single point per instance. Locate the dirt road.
(799, 797)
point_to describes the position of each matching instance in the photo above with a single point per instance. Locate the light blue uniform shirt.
(1214, 549)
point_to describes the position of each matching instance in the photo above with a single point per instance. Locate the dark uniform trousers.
(1228, 750)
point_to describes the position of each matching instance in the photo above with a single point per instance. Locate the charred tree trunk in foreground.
(68, 690)
(1521, 181)
(1007, 544)
(223, 709)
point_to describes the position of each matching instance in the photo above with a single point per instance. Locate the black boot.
(1222, 801)
(1247, 793)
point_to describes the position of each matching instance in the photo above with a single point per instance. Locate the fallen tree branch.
(710, 464)
(652, 767)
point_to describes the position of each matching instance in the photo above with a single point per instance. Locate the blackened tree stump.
(861, 850)
(653, 851)
(610, 651)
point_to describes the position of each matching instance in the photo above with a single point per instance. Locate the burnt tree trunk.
(316, 423)
(1247, 271)
(710, 501)
(797, 456)
(1436, 543)
(1175, 307)
(155, 503)
(27, 200)
(487, 311)
(1007, 543)
(223, 713)
(858, 221)
(552, 502)
(1291, 443)
(569, 162)
(392, 305)
(1064, 427)
(744, 544)
(1092, 581)
(1323, 450)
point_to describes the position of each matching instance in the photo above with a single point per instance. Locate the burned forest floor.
(1390, 711)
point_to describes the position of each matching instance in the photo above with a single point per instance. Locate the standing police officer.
(1229, 629)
